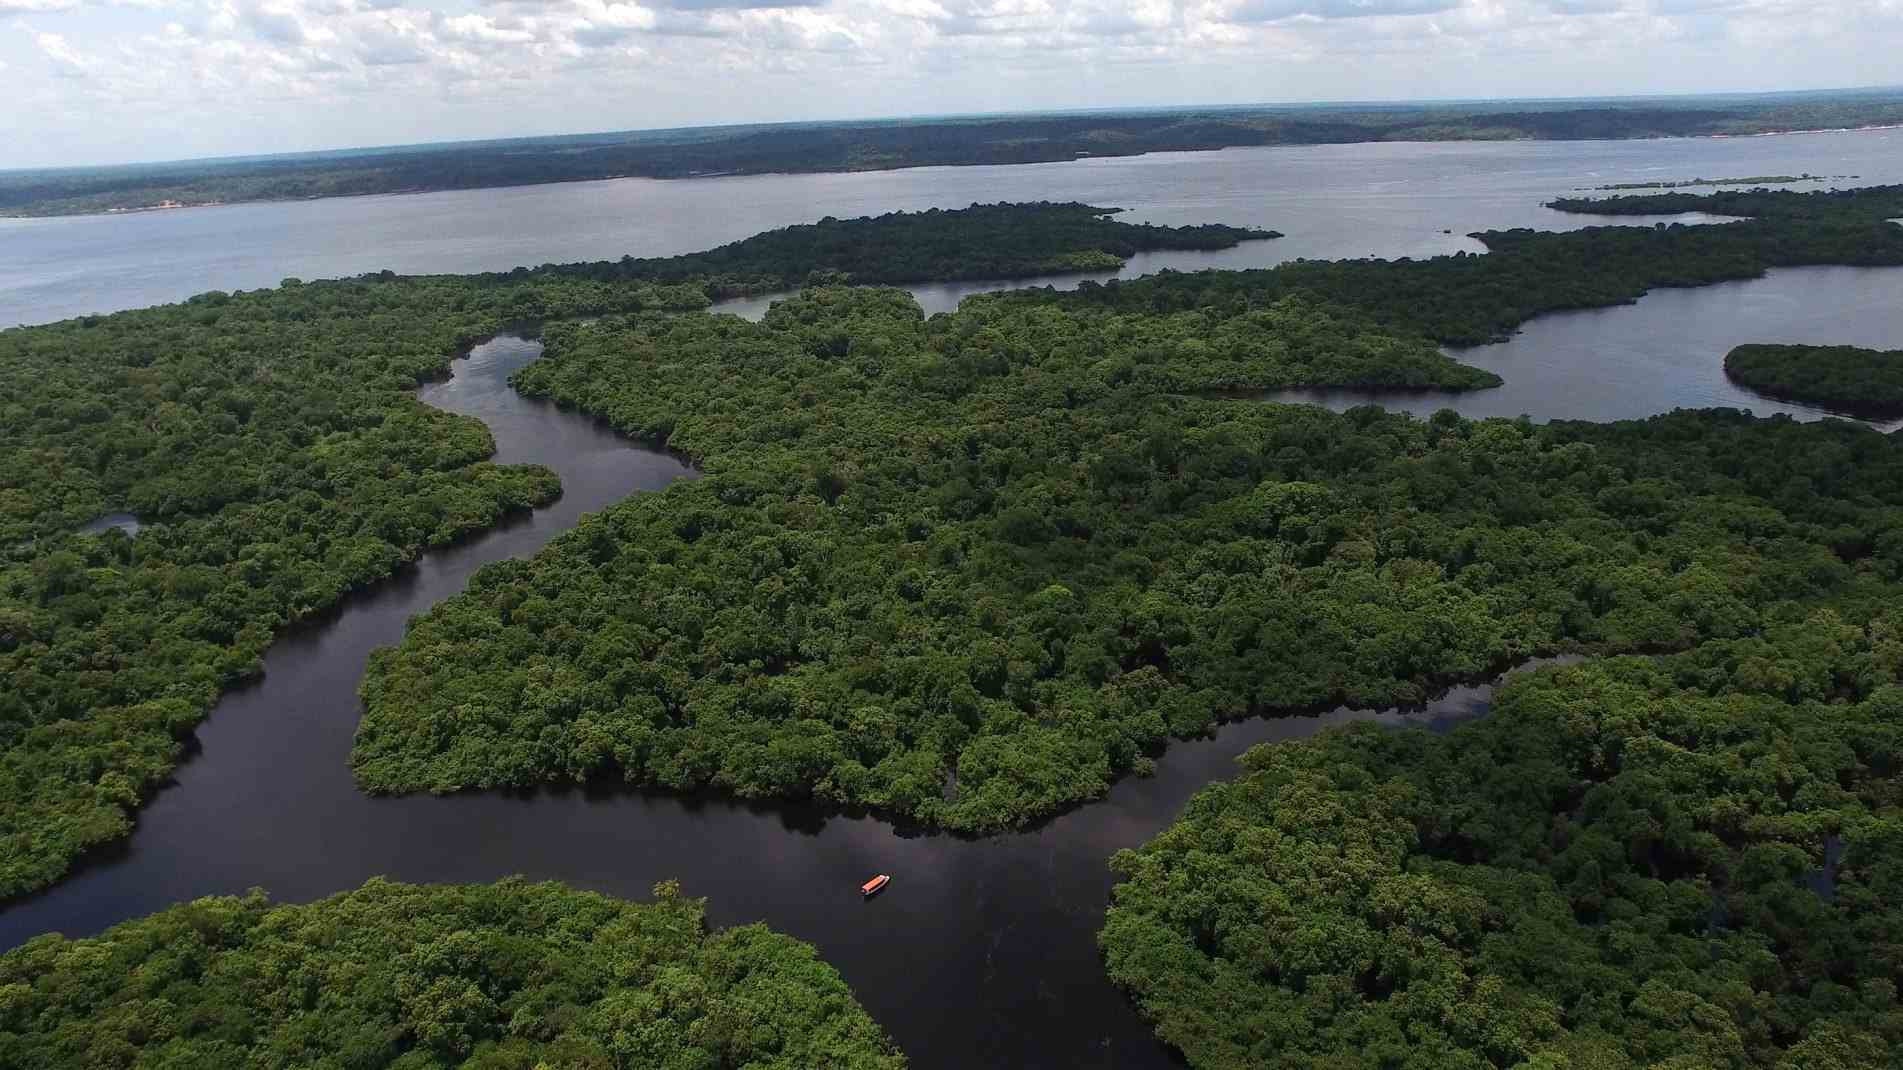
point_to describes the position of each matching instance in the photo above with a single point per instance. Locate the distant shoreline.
(272, 180)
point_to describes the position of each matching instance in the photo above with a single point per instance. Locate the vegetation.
(1686, 860)
(967, 570)
(272, 445)
(1683, 861)
(884, 145)
(984, 241)
(1862, 382)
(509, 976)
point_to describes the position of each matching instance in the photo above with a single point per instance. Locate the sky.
(109, 81)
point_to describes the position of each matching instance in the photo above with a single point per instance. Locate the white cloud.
(1269, 10)
(481, 29)
(67, 61)
(103, 79)
(275, 22)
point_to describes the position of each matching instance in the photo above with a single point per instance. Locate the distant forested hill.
(876, 146)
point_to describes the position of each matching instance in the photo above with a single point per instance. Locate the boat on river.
(875, 885)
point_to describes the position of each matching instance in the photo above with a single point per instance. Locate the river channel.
(982, 953)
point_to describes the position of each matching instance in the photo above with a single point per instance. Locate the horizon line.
(1137, 109)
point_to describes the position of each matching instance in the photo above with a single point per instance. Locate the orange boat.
(875, 885)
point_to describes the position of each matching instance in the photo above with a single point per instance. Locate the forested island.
(921, 142)
(1815, 208)
(271, 443)
(983, 241)
(508, 976)
(1750, 180)
(1862, 382)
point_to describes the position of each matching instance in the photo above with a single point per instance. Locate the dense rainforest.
(1686, 861)
(1862, 382)
(272, 445)
(968, 570)
(509, 976)
(888, 144)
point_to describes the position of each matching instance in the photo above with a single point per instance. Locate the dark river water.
(982, 952)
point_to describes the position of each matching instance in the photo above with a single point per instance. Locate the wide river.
(983, 951)
(1332, 201)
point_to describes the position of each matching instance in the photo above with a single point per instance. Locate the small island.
(1867, 383)
(1753, 180)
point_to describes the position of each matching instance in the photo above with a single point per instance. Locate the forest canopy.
(508, 976)
(1862, 382)
(968, 570)
(1685, 861)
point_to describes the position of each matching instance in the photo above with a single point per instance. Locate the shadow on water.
(983, 952)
